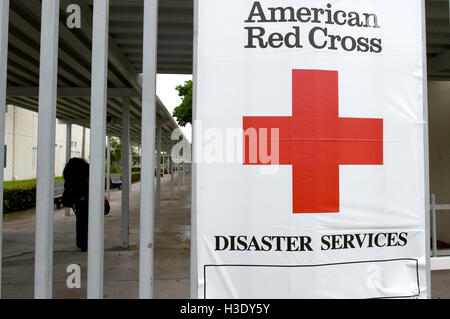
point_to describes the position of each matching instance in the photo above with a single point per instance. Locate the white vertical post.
(125, 170)
(158, 169)
(4, 24)
(146, 248)
(172, 184)
(48, 75)
(433, 225)
(97, 150)
(426, 152)
(193, 243)
(166, 163)
(83, 144)
(180, 177)
(184, 173)
(108, 167)
(68, 153)
(168, 160)
(130, 159)
(68, 142)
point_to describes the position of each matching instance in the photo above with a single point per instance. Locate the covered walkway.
(172, 231)
(103, 76)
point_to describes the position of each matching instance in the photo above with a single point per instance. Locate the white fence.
(440, 257)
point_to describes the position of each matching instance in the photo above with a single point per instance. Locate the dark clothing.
(76, 193)
(80, 206)
(76, 196)
(81, 210)
(76, 189)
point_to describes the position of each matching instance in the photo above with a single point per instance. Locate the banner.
(309, 144)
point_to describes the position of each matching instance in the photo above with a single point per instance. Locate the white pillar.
(130, 158)
(172, 184)
(125, 171)
(4, 23)
(48, 75)
(180, 177)
(433, 226)
(184, 173)
(426, 152)
(193, 243)
(97, 150)
(147, 216)
(167, 162)
(68, 153)
(108, 167)
(158, 169)
(83, 144)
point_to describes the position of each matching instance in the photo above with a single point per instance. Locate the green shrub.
(135, 177)
(19, 197)
(115, 169)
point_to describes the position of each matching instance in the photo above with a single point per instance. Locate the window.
(76, 155)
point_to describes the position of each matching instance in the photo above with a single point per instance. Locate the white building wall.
(9, 141)
(21, 128)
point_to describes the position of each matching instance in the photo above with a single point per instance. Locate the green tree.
(116, 151)
(183, 112)
(116, 155)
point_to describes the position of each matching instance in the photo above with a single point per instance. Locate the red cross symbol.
(315, 141)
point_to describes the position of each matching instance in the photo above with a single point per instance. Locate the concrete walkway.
(172, 232)
(172, 236)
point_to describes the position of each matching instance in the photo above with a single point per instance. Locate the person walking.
(76, 196)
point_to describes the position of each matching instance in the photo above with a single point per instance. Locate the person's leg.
(78, 228)
(84, 222)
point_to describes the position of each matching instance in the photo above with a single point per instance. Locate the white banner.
(309, 149)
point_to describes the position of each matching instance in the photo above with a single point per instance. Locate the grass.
(26, 182)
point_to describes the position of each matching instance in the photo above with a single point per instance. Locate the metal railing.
(434, 208)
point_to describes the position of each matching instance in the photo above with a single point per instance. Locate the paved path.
(172, 232)
(121, 266)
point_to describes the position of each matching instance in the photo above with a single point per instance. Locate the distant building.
(21, 144)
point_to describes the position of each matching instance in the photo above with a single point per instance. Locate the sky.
(165, 89)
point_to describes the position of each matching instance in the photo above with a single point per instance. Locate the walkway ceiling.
(125, 60)
(175, 47)
(438, 39)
